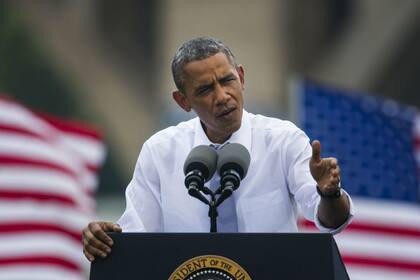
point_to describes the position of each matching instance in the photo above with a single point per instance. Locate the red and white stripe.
(382, 242)
(47, 180)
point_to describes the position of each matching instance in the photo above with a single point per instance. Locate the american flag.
(377, 143)
(48, 178)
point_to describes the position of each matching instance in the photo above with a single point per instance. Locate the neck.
(218, 139)
(215, 137)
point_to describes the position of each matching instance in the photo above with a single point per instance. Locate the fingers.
(93, 247)
(327, 174)
(95, 240)
(332, 162)
(334, 172)
(332, 165)
(334, 181)
(92, 239)
(316, 151)
(98, 229)
(88, 255)
(93, 251)
(116, 228)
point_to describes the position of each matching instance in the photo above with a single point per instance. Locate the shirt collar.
(241, 136)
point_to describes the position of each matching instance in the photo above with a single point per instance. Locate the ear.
(241, 74)
(181, 100)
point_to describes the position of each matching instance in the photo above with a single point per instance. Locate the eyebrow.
(203, 87)
(227, 77)
(210, 85)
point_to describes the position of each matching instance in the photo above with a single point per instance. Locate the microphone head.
(234, 156)
(202, 158)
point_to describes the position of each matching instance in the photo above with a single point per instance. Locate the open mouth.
(225, 112)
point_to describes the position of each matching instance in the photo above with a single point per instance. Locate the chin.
(235, 126)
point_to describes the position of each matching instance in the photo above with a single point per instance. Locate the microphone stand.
(213, 215)
(212, 209)
(213, 203)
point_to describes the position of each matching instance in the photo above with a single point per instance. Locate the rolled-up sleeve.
(340, 228)
(143, 201)
(301, 183)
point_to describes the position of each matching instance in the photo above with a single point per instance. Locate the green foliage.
(26, 72)
(27, 75)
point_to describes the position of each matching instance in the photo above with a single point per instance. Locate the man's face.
(213, 88)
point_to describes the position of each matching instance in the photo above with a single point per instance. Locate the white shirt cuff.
(340, 228)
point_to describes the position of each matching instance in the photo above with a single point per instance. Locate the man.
(285, 170)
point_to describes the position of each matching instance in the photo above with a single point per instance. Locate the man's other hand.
(325, 171)
(96, 243)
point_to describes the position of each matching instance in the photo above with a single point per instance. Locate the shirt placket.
(227, 217)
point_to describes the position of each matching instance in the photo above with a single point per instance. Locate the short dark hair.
(197, 49)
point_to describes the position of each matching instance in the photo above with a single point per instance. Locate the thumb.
(316, 151)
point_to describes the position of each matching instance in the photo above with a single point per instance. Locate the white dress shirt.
(278, 181)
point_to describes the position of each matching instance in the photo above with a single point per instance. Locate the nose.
(221, 95)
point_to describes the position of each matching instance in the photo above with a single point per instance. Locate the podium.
(217, 256)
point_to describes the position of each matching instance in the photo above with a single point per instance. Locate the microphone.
(232, 166)
(199, 167)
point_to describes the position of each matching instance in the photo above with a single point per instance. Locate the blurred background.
(108, 62)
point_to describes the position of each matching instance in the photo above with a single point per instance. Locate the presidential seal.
(210, 267)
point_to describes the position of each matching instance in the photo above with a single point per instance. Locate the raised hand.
(325, 171)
